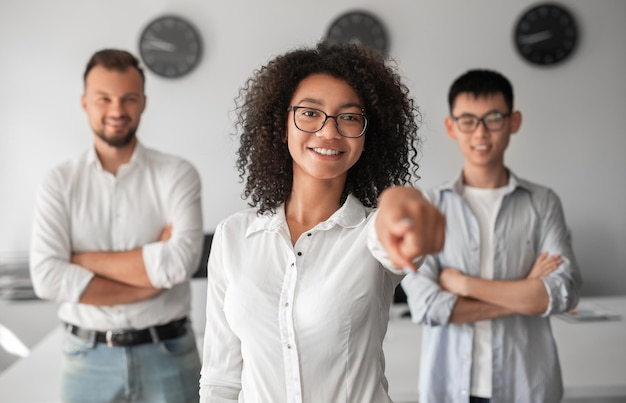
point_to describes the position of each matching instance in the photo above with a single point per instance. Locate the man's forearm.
(103, 291)
(527, 297)
(123, 267)
(467, 310)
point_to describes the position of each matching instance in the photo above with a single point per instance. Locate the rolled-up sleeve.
(563, 284)
(54, 277)
(175, 261)
(428, 303)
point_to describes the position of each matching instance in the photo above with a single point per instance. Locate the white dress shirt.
(297, 323)
(80, 207)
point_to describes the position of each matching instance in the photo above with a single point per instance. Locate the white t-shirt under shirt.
(485, 204)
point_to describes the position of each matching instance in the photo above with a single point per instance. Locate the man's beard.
(117, 142)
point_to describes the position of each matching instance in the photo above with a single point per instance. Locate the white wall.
(572, 138)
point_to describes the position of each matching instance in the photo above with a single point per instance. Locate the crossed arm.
(482, 299)
(120, 277)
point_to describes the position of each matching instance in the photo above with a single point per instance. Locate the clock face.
(359, 27)
(546, 34)
(170, 46)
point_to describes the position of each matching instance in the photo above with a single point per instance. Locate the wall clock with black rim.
(170, 46)
(360, 27)
(546, 34)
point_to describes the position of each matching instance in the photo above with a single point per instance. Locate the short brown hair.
(114, 59)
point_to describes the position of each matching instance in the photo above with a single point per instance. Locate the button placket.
(287, 331)
(119, 211)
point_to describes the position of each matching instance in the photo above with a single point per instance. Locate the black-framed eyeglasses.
(493, 121)
(312, 120)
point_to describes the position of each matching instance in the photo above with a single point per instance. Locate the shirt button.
(292, 265)
(299, 253)
(289, 346)
(286, 304)
(309, 234)
(464, 392)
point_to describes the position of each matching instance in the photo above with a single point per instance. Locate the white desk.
(29, 320)
(593, 354)
(36, 379)
(593, 357)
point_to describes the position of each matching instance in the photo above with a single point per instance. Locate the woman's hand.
(408, 226)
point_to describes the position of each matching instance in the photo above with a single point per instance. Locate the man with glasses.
(507, 265)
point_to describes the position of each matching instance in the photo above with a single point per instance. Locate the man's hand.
(453, 280)
(544, 265)
(408, 226)
(166, 234)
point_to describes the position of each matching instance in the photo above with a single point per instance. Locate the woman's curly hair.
(392, 144)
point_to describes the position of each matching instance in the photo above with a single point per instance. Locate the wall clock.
(359, 27)
(546, 34)
(170, 46)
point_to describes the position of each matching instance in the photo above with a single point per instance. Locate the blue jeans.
(148, 373)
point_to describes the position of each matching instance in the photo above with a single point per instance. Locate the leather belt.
(132, 337)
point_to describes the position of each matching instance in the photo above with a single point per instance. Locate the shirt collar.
(456, 185)
(137, 158)
(351, 214)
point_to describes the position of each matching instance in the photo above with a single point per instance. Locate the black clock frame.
(170, 46)
(359, 26)
(546, 34)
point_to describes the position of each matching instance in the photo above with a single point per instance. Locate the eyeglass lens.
(312, 120)
(492, 121)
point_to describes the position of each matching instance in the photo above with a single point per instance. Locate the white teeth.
(480, 147)
(116, 122)
(326, 151)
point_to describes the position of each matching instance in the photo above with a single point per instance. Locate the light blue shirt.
(525, 362)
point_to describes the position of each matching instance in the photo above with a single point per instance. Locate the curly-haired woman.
(300, 284)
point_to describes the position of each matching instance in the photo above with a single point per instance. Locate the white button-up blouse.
(297, 323)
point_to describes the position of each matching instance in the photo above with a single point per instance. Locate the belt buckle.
(109, 335)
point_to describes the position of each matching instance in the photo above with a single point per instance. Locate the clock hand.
(154, 43)
(159, 45)
(535, 38)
